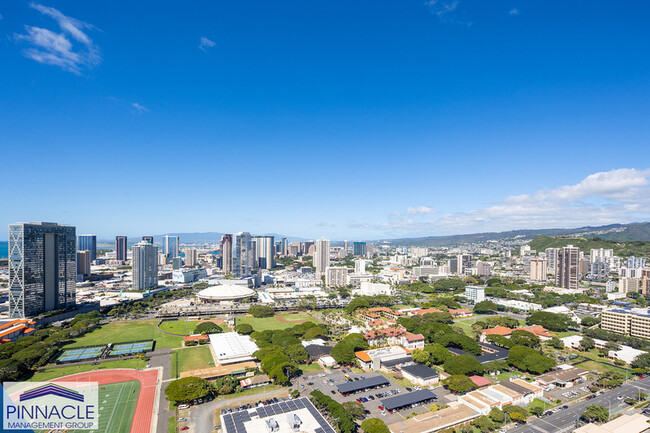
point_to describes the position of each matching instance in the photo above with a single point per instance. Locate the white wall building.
(475, 294)
(231, 347)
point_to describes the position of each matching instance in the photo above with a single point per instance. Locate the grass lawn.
(592, 365)
(122, 332)
(179, 326)
(171, 425)
(116, 406)
(566, 334)
(310, 368)
(53, 373)
(279, 321)
(190, 358)
(401, 382)
(539, 403)
(466, 327)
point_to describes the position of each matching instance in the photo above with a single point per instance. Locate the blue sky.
(351, 120)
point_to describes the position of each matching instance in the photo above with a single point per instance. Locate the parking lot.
(568, 394)
(326, 382)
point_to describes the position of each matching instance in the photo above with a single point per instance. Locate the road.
(201, 417)
(564, 420)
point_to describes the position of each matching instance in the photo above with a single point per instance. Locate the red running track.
(144, 408)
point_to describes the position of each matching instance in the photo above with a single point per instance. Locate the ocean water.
(4, 247)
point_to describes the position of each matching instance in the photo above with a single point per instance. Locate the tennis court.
(116, 407)
(81, 354)
(129, 348)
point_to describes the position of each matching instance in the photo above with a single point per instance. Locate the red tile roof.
(498, 330)
(480, 381)
(195, 337)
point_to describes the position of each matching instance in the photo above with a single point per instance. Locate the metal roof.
(407, 399)
(358, 385)
(420, 371)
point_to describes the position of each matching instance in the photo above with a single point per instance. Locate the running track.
(144, 408)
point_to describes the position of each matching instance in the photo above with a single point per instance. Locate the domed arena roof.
(225, 292)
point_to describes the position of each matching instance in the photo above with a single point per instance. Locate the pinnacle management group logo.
(47, 405)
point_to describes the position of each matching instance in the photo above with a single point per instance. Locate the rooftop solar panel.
(408, 398)
(358, 385)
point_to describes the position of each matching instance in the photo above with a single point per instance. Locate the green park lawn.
(180, 326)
(466, 327)
(171, 425)
(53, 373)
(279, 321)
(123, 332)
(310, 368)
(597, 366)
(191, 358)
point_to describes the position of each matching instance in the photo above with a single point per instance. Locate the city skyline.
(447, 120)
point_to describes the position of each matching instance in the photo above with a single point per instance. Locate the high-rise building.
(359, 249)
(359, 266)
(484, 269)
(346, 248)
(147, 239)
(191, 257)
(83, 263)
(567, 269)
(336, 276)
(283, 247)
(551, 260)
(226, 254)
(264, 252)
(600, 254)
(145, 265)
(242, 257)
(538, 269)
(120, 248)
(635, 262)
(42, 268)
(464, 263)
(89, 243)
(306, 246)
(475, 294)
(322, 256)
(170, 247)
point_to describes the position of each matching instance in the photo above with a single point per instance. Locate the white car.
(620, 397)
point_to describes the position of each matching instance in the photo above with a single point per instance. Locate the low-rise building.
(395, 336)
(385, 358)
(562, 376)
(626, 423)
(187, 276)
(629, 321)
(420, 374)
(231, 347)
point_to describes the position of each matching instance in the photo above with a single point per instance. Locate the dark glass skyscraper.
(148, 239)
(359, 249)
(88, 243)
(120, 247)
(42, 268)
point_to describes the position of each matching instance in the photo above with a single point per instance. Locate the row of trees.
(343, 351)
(142, 306)
(187, 389)
(342, 418)
(281, 350)
(18, 358)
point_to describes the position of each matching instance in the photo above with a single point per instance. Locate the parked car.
(184, 406)
(185, 428)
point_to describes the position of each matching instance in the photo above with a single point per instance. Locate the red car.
(381, 407)
(185, 428)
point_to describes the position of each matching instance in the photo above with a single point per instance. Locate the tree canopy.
(550, 321)
(528, 359)
(207, 328)
(187, 389)
(462, 365)
(260, 311)
(374, 425)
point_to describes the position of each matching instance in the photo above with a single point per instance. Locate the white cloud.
(206, 43)
(442, 7)
(56, 49)
(420, 210)
(139, 108)
(514, 11)
(621, 195)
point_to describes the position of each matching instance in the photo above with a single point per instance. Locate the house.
(634, 423)
(541, 332)
(197, 338)
(564, 376)
(385, 358)
(255, 381)
(395, 336)
(626, 353)
(480, 381)
(424, 311)
(573, 342)
(463, 312)
(420, 374)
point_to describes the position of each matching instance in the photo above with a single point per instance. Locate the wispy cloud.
(514, 11)
(621, 195)
(55, 48)
(325, 224)
(441, 8)
(139, 108)
(206, 43)
(420, 210)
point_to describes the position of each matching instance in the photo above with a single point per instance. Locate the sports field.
(279, 321)
(53, 373)
(131, 348)
(191, 358)
(182, 327)
(116, 406)
(123, 332)
(81, 354)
